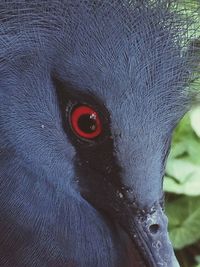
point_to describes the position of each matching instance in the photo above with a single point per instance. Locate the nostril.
(154, 228)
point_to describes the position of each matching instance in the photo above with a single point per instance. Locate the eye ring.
(85, 122)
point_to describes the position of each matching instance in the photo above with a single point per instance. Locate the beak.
(148, 231)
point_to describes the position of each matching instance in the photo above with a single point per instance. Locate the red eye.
(86, 122)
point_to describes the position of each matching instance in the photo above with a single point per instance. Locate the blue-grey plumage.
(69, 201)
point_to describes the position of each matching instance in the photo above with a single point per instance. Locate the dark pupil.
(87, 124)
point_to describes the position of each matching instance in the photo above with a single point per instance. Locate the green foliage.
(184, 218)
(182, 183)
(183, 166)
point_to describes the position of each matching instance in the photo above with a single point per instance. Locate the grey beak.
(149, 233)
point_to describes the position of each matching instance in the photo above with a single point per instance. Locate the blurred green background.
(182, 184)
(182, 180)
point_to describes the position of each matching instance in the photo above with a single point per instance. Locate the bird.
(90, 93)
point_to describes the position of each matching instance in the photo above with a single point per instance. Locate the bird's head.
(113, 78)
(120, 104)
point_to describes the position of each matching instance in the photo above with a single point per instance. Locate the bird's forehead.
(137, 71)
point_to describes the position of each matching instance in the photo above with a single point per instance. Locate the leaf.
(182, 130)
(190, 188)
(178, 149)
(184, 218)
(197, 258)
(183, 177)
(195, 120)
(193, 149)
(185, 142)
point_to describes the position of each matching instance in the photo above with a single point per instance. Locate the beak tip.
(151, 237)
(175, 262)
